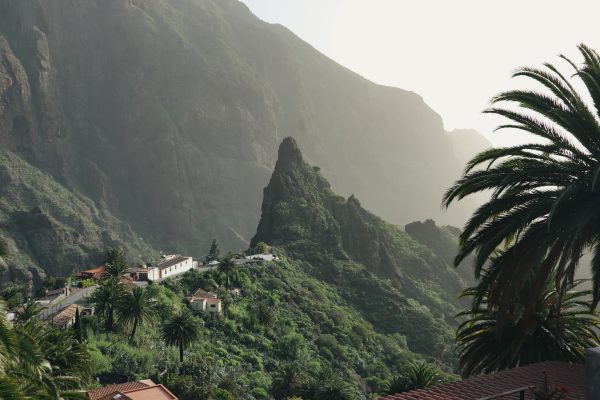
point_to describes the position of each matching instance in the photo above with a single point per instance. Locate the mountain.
(397, 284)
(466, 143)
(167, 114)
(48, 228)
(443, 240)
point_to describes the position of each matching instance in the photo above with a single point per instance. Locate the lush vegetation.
(288, 334)
(39, 362)
(544, 195)
(51, 229)
(560, 329)
(543, 214)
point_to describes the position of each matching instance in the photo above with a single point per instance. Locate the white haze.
(456, 54)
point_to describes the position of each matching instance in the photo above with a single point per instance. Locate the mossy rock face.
(168, 113)
(49, 229)
(399, 285)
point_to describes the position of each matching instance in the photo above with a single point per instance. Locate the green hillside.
(397, 284)
(49, 228)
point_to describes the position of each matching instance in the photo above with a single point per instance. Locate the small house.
(205, 301)
(94, 273)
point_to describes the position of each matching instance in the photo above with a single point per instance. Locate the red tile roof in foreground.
(572, 376)
(96, 394)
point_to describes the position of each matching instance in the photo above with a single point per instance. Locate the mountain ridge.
(179, 145)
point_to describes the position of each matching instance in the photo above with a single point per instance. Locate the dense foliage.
(40, 362)
(560, 328)
(545, 196)
(288, 333)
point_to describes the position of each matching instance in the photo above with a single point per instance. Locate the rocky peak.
(289, 154)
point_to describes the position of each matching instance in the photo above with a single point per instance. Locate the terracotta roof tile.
(97, 394)
(572, 376)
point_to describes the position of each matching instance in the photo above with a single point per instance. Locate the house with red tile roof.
(94, 273)
(507, 385)
(202, 300)
(137, 390)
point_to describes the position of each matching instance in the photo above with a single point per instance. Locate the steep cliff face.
(443, 240)
(168, 114)
(378, 268)
(49, 229)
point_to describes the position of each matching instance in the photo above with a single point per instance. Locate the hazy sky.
(456, 54)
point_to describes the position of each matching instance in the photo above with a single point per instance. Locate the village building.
(53, 296)
(143, 273)
(66, 317)
(94, 273)
(205, 301)
(262, 257)
(173, 265)
(137, 390)
(515, 383)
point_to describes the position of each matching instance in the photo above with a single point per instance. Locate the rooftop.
(62, 318)
(571, 376)
(171, 261)
(98, 270)
(103, 392)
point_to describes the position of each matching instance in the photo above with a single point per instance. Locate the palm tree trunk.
(180, 352)
(109, 319)
(135, 325)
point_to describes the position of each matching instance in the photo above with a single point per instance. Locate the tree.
(181, 330)
(28, 311)
(228, 267)
(135, 309)
(78, 333)
(116, 264)
(560, 329)
(214, 253)
(416, 375)
(544, 196)
(261, 248)
(39, 362)
(106, 298)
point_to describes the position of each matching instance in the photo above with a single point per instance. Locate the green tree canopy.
(136, 308)
(560, 329)
(544, 196)
(181, 330)
(106, 300)
(214, 253)
(116, 263)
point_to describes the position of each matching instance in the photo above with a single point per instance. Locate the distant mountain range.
(166, 115)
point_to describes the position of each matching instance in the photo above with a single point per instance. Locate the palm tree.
(29, 310)
(37, 361)
(560, 329)
(545, 196)
(106, 298)
(136, 308)
(416, 375)
(116, 263)
(181, 330)
(228, 267)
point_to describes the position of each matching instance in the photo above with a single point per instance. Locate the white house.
(173, 265)
(143, 273)
(263, 257)
(205, 301)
